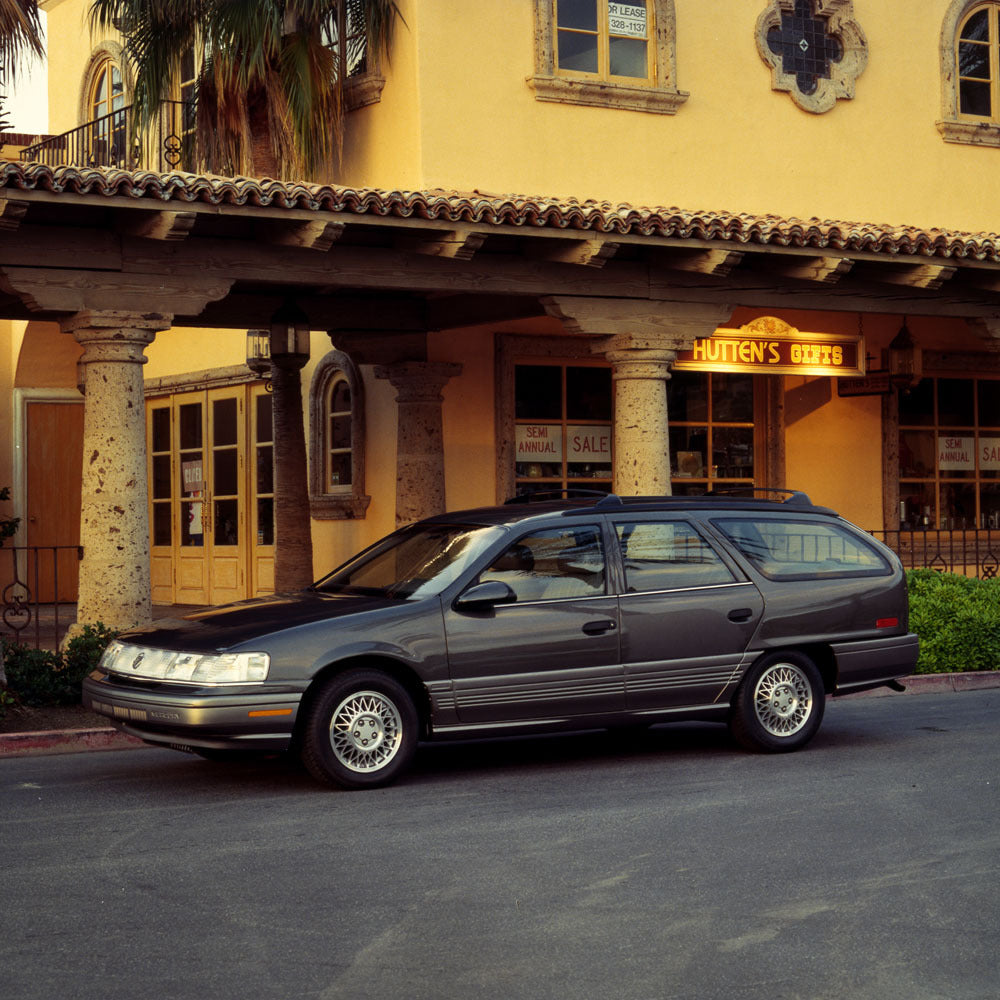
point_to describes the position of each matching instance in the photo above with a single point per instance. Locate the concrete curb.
(80, 740)
(65, 741)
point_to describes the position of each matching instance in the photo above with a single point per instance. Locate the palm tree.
(270, 93)
(20, 34)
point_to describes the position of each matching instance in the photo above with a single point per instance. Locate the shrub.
(957, 619)
(37, 677)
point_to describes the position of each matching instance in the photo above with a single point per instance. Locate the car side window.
(802, 550)
(553, 564)
(667, 555)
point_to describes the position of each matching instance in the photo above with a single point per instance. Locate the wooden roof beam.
(585, 253)
(451, 244)
(715, 262)
(11, 213)
(828, 270)
(319, 235)
(929, 276)
(161, 225)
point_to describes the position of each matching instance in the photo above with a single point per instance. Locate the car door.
(553, 651)
(687, 614)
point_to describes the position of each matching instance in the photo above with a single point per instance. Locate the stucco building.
(497, 305)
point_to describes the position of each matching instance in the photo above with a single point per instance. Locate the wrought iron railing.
(33, 606)
(966, 552)
(113, 140)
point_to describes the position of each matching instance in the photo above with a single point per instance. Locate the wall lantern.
(905, 359)
(259, 352)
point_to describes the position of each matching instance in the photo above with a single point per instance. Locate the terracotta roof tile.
(508, 210)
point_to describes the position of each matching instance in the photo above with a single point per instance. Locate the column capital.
(418, 381)
(665, 324)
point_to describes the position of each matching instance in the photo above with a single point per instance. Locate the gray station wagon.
(531, 617)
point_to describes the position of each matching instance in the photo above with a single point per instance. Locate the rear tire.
(779, 705)
(360, 731)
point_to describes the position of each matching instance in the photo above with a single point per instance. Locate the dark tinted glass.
(580, 14)
(955, 402)
(732, 398)
(578, 52)
(226, 523)
(190, 425)
(974, 60)
(224, 463)
(974, 98)
(916, 405)
(687, 397)
(977, 28)
(265, 521)
(989, 403)
(538, 392)
(224, 421)
(588, 393)
(161, 429)
(265, 431)
(265, 470)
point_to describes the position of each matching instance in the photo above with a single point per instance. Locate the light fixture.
(905, 359)
(259, 352)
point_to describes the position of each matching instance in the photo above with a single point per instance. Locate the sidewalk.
(80, 740)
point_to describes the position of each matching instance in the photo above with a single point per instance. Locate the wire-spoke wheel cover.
(366, 731)
(783, 699)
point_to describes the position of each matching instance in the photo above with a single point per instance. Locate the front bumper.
(252, 717)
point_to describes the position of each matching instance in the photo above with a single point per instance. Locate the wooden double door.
(211, 495)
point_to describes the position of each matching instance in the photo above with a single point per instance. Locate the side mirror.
(483, 596)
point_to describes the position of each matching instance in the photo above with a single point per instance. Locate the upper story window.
(108, 130)
(970, 73)
(348, 40)
(337, 440)
(610, 53)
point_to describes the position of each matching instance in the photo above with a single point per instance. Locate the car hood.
(231, 625)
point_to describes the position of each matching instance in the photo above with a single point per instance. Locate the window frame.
(658, 94)
(350, 500)
(954, 125)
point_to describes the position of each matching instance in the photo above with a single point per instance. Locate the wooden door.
(53, 470)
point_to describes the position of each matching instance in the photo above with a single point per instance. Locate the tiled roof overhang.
(516, 211)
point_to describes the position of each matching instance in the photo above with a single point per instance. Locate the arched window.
(976, 50)
(337, 438)
(970, 73)
(108, 132)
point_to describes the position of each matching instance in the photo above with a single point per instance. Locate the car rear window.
(802, 550)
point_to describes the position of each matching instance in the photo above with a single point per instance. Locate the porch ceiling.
(367, 260)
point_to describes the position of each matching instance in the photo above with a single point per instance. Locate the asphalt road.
(669, 866)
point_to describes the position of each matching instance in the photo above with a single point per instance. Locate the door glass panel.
(161, 477)
(265, 521)
(226, 522)
(192, 532)
(225, 471)
(161, 524)
(265, 469)
(161, 429)
(224, 413)
(190, 420)
(264, 427)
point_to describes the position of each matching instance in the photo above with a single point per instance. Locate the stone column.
(641, 429)
(419, 436)
(114, 519)
(293, 557)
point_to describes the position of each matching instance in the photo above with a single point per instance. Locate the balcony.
(114, 141)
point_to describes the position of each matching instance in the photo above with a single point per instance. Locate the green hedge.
(957, 620)
(38, 677)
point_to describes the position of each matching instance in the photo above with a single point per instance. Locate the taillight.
(887, 623)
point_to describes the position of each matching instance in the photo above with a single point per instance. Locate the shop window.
(970, 73)
(712, 432)
(611, 53)
(563, 427)
(337, 467)
(949, 454)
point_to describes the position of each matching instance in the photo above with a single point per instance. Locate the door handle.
(741, 614)
(600, 627)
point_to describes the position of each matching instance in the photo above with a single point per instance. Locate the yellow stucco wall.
(735, 145)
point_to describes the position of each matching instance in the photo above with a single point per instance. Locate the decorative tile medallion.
(815, 48)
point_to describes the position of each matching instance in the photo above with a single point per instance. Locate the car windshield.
(417, 561)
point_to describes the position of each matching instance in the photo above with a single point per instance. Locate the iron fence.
(113, 140)
(970, 552)
(31, 608)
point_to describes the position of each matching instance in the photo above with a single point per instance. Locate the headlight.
(127, 660)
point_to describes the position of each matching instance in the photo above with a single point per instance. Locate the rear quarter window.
(802, 550)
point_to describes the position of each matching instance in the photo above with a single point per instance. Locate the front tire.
(360, 731)
(779, 705)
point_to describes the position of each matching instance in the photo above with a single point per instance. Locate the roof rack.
(793, 496)
(569, 494)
